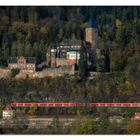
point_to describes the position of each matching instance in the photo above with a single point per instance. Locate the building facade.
(67, 53)
(22, 63)
(73, 57)
(68, 45)
(8, 113)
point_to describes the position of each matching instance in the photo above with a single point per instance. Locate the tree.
(133, 128)
(113, 128)
(117, 61)
(14, 49)
(33, 15)
(103, 122)
(20, 44)
(5, 22)
(33, 110)
(15, 72)
(82, 62)
(132, 70)
(85, 126)
(1, 106)
(28, 49)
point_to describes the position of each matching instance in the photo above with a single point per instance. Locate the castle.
(67, 53)
(63, 58)
(96, 60)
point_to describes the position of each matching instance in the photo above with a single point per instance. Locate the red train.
(59, 104)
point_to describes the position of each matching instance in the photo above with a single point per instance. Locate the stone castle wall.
(52, 72)
(5, 73)
(61, 62)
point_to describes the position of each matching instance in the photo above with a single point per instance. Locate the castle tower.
(91, 33)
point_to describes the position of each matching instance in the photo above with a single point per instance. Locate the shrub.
(15, 72)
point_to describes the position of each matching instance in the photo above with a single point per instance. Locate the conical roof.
(92, 23)
(8, 108)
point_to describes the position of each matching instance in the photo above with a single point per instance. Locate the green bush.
(15, 72)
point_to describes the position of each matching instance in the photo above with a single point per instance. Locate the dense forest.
(105, 87)
(28, 31)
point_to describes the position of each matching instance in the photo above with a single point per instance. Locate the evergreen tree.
(82, 62)
(14, 49)
(28, 50)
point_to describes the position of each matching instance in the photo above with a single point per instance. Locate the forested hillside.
(28, 31)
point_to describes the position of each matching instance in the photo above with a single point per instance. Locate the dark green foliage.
(29, 31)
(83, 63)
(15, 72)
(83, 126)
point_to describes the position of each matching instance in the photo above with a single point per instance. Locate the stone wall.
(13, 66)
(61, 71)
(24, 74)
(5, 73)
(61, 62)
(53, 72)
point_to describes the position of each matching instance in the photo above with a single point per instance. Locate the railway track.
(63, 104)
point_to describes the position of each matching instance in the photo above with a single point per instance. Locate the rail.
(63, 104)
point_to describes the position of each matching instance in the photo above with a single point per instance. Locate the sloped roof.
(8, 108)
(92, 24)
(30, 60)
(13, 60)
(70, 42)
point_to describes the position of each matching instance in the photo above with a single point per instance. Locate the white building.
(73, 57)
(8, 113)
(136, 116)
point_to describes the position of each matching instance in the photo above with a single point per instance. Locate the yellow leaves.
(5, 20)
(29, 27)
(134, 128)
(119, 23)
(32, 110)
(105, 33)
(21, 26)
(121, 88)
(126, 88)
(102, 57)
(17, 25)
(44, 30)
(128, 85)
(78, 112)
(84, 127)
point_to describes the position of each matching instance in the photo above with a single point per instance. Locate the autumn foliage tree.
(133, 128)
